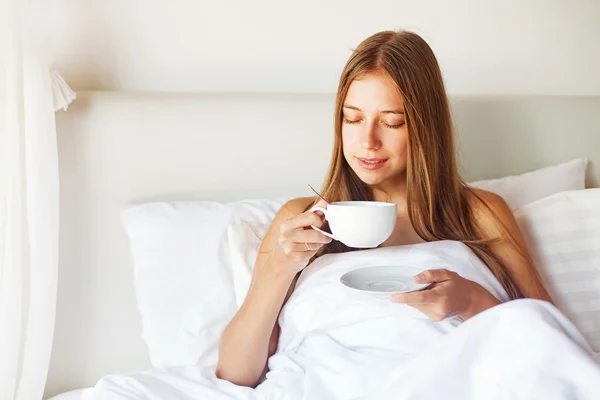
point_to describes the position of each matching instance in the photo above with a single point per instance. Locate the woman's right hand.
(298, 242)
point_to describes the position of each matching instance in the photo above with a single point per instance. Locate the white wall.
(484, 47)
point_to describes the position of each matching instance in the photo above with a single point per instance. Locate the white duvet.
(337, 345)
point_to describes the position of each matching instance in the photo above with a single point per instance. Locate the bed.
(77, 394)
(120, 149)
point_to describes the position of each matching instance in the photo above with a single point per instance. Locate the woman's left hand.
(448, 296)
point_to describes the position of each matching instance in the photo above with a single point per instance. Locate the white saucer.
(383, 280)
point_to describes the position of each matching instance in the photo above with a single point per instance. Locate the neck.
(394, 191)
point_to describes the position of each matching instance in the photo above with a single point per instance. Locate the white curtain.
(29, 196)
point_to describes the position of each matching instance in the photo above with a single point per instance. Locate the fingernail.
(418, 278)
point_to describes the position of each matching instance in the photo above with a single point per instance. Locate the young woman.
(394, 142)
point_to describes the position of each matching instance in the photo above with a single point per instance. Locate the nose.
(370, 137)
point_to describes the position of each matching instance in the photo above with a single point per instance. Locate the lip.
(372, 163)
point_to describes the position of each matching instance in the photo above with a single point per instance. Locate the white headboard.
(116, 148)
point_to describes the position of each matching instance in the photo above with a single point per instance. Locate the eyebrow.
(381, 112)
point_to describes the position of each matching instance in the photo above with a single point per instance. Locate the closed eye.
(349, 121)
(394, 126)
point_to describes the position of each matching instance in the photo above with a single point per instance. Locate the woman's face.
(374, 133)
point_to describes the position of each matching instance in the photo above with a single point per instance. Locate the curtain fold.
(29, 209)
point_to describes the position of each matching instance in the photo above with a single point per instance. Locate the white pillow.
(245, 238)
(183, 275)
(563, 235)
(523, 189)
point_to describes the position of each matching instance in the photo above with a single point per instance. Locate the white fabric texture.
(71, 395)
(563, 235)
(182, 273)
(334, 345)
(62, 94)
(29, 206)
(244, 239)
(182, 293)
(523, 189)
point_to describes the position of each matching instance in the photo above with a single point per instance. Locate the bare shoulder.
(495, 220)
(491, 212)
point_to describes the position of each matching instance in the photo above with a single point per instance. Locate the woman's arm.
(252, 335)
(250, 338)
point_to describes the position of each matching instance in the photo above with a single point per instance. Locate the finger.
(434, 275)
(285, 226)
(421, 297)
(306, 219)
(308, 246)
(303, 247)
(309, 235)
(321, 203)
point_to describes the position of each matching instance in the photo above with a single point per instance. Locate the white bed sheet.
(337, 346)
(71, 395)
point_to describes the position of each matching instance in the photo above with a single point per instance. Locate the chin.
(378, 178)
(371, 178)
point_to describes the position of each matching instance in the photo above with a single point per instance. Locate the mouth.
(372, 163)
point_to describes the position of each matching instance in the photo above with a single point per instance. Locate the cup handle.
(324, 211)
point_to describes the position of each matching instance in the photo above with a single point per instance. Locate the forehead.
(374, 92)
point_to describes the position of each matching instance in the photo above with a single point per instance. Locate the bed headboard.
(117, 148)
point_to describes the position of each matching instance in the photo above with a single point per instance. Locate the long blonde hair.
(437, 198)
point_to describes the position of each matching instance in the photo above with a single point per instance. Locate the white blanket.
(337, 345)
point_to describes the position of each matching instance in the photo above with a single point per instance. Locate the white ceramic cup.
(359, 224)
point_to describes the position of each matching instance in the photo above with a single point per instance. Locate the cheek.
(398, 144)
(349, 140)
